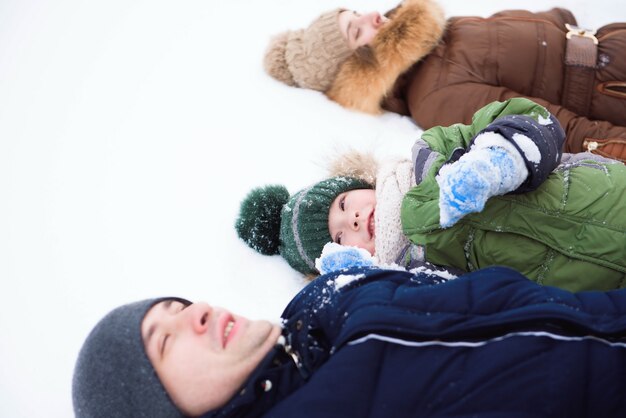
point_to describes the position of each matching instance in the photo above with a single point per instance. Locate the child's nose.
(355, 221)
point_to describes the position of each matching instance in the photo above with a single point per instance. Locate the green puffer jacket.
(570, 232)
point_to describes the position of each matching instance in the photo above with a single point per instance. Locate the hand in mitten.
(463, 189)
(465, 185)
(337, 257)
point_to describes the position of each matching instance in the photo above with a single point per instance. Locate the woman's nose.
(375, 19)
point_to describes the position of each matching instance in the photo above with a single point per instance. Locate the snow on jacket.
(480, 60)
(381, 343)
(568, 231)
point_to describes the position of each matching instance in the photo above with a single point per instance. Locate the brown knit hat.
(309, 58)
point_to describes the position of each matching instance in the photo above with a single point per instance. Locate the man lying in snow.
(366, 342)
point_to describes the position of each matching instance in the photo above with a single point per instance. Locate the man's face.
(351, 219)
(360, 29)
(203, 354)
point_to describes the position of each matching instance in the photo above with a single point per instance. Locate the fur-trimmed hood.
(392, 178)
(415, 28)
(357, 164)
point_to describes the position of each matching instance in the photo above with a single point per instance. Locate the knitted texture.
(394, 179)
(492, 167)
(304, 221)
(300, 235)
(309, 58)
(113, 377)
(258, 223)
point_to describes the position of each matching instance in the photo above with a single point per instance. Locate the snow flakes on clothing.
(545, 121)
(528, 147)
(444, 274)
(344, 279)
(492, 167)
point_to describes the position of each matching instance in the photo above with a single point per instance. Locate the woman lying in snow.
(440, 72)
(495, 192)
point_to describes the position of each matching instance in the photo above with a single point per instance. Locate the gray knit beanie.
(113, 377)
(296, 227)
(309, 58)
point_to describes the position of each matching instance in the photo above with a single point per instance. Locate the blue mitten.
(493, 168)
(337, 257)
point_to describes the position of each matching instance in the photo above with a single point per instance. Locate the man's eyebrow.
(146, 340)
(149, 334)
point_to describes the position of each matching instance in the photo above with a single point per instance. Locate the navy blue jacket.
(488, 344)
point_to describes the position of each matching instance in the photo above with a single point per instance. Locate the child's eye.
(341, 202)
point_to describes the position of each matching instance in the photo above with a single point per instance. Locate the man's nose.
(198, 316)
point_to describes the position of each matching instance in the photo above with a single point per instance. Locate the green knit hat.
(296, 227)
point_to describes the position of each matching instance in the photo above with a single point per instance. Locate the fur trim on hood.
(414, 30)
(353, 163)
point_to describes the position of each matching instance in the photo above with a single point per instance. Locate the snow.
(345, 279)
(491, 167)
(545, 121)
(528, 147)
(129, 132)
(493, 139)
(444, 274)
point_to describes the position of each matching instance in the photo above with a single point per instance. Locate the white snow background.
(129, 132)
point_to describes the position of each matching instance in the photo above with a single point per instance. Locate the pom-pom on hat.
(296, 227)
(309, 58)
(113, 376)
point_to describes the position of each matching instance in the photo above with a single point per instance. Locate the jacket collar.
(273, 380)
(415, 28)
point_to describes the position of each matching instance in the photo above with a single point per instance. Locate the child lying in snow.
(493, 192)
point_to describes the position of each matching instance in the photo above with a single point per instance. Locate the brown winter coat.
(476, 61)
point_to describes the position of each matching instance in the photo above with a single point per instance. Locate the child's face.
(351, 219)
